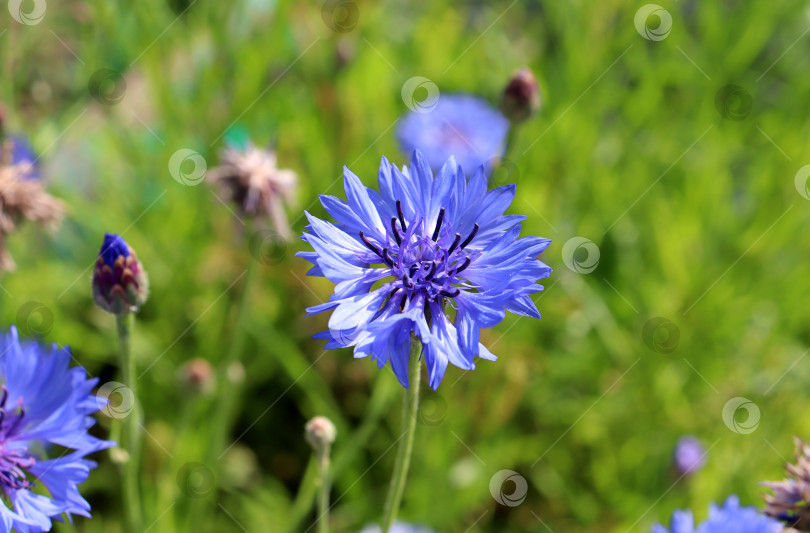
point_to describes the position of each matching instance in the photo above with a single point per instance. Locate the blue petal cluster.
(113, 246)
(420, 247)
(45, 409)
(460, 125)
(730, 518)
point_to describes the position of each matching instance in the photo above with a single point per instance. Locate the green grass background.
(695, 215)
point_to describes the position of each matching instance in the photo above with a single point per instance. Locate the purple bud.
(690, 455)
(521, 97)
(120, 284)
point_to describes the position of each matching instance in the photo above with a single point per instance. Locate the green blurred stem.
(131, 427)
(410, 405)
(229, 393)
(324, 485)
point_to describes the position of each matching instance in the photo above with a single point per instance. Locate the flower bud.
(120, 284)
(197, 376)
(320, 433)
(521, 97)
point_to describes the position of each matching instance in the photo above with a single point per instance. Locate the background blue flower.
(21, 151)
(459, 125)
(45, 407)
(421, 246)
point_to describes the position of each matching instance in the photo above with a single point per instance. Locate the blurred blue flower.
(21, 152)
(690, 455)
(45, 409)
(459, 125)
(404, 255)
(731, 518)
(120, 284)
(397, 527)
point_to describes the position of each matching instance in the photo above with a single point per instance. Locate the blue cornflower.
(420, 246)
(20, 152)
(460, 125)
(45, 409)
(731, 518)
(397, 527)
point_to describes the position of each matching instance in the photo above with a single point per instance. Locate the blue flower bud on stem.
(120, 284)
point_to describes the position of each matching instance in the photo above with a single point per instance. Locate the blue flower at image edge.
(397, 527)
(45, 408)
(730, 518)
(418, 248)
(459, 125)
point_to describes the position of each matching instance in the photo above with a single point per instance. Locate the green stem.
(131, 428)
(229, 393)
(410, 406)
(324, 485)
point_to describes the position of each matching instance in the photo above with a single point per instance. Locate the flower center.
(13, 461)
(426, 265)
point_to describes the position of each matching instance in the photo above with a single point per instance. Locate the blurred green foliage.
(695, 215)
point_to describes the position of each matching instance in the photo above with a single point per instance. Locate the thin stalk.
(229, 393)
(410, 406)
(130, 428)
(324, 485)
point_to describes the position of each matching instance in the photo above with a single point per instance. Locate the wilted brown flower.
(23, 198)
(790, 501)
(256, 185)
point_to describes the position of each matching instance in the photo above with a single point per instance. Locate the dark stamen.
(432, 271)
(407, 281)
(395, 231)
(438, 224)
(401, 216)
(464, 265)
(402, 302)
(387, 257)
(453, 294)
(369, 245)
(470, 238)
(453, 246)
(412, 270)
